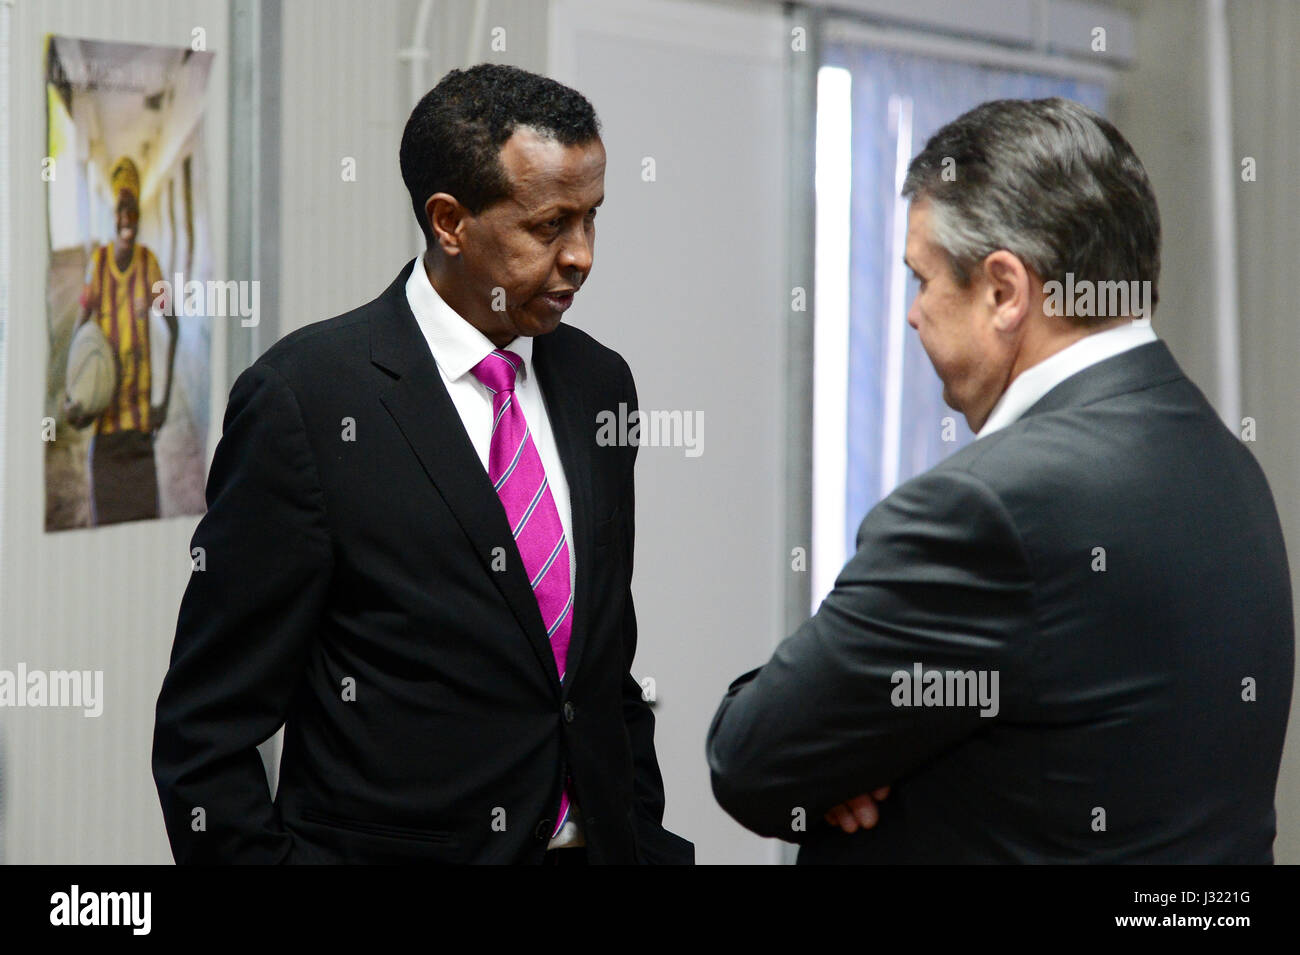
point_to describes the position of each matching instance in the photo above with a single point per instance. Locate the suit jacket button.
(569, 710)
(543, 830)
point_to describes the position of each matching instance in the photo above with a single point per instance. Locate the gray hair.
(1048, 180)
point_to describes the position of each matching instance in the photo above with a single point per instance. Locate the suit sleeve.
(940, 579)
(244, 630)
(656, 845)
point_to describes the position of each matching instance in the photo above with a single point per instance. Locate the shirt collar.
(457, 345)
(1032, 383)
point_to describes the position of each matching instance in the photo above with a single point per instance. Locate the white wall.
(78, 789)
(1268, 223)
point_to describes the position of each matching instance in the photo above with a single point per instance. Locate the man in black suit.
(1073, 639)
(364, 579)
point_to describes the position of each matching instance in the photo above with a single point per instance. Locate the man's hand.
(859, 812)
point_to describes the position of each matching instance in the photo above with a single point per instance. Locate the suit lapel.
(574, 430)
(418, 401)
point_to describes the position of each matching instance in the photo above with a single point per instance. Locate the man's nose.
(577, 253)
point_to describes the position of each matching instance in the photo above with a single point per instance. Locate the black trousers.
(123, 478)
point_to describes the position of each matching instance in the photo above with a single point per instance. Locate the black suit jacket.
(1122, 734)
(348, 590)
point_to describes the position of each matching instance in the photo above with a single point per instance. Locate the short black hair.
(453, 138)
(1050, 181)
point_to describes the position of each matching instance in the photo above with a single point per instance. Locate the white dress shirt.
(1034, 382)
(458, 346)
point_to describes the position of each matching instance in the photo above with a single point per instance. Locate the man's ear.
(446, 219)
(1009, 289)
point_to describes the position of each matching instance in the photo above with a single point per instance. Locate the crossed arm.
(940, 579)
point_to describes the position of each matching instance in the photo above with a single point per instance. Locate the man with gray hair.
(1073, 639)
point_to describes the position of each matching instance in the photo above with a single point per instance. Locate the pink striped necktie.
(515, 470)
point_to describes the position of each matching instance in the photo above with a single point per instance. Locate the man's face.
(537, 245)
(128, 218)
(955, 325)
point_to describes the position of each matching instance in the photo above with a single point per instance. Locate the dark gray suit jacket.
(1141, 707)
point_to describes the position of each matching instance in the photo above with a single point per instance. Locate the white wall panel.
(80, 789)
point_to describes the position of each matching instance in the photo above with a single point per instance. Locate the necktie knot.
(497, 371)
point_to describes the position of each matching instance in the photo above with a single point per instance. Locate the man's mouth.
(559, 299)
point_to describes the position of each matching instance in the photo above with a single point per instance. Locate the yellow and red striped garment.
(121, 301)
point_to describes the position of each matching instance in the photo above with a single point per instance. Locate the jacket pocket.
(603, 529)
(439, 836)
